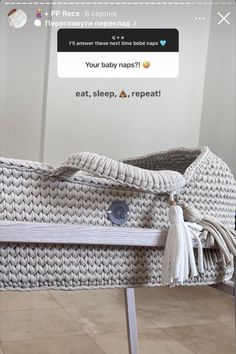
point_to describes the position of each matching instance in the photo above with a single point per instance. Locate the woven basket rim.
(47, 170)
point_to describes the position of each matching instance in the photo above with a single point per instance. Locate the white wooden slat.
(32, 232)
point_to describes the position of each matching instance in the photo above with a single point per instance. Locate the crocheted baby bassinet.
(95, 191)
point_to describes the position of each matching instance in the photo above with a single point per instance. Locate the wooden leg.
(131, 321)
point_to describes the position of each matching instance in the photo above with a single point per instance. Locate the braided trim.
(119, 172)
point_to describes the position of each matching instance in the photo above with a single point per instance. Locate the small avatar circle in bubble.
(146, 64)
(17, 18)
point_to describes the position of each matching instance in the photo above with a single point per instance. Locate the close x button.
(223, 18)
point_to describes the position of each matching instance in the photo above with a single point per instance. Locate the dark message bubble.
(118, 40)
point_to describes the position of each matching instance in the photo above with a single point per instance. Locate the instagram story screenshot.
(117, 175)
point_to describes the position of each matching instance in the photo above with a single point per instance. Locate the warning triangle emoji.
(123, 94)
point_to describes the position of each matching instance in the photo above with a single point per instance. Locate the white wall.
(23, 55)
(75, 125)
(218, 127)
(131, 127)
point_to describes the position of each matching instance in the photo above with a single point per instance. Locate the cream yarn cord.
(223, 236)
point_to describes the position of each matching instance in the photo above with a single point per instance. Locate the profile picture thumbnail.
(17, 18)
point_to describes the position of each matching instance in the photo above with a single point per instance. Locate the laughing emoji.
(146, 64)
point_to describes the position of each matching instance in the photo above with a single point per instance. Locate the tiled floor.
(171, 321)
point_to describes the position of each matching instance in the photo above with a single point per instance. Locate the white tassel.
(179, 258)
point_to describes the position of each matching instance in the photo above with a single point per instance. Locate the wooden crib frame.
(30, 232)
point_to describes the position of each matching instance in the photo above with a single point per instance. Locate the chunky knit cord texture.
(82, 189)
